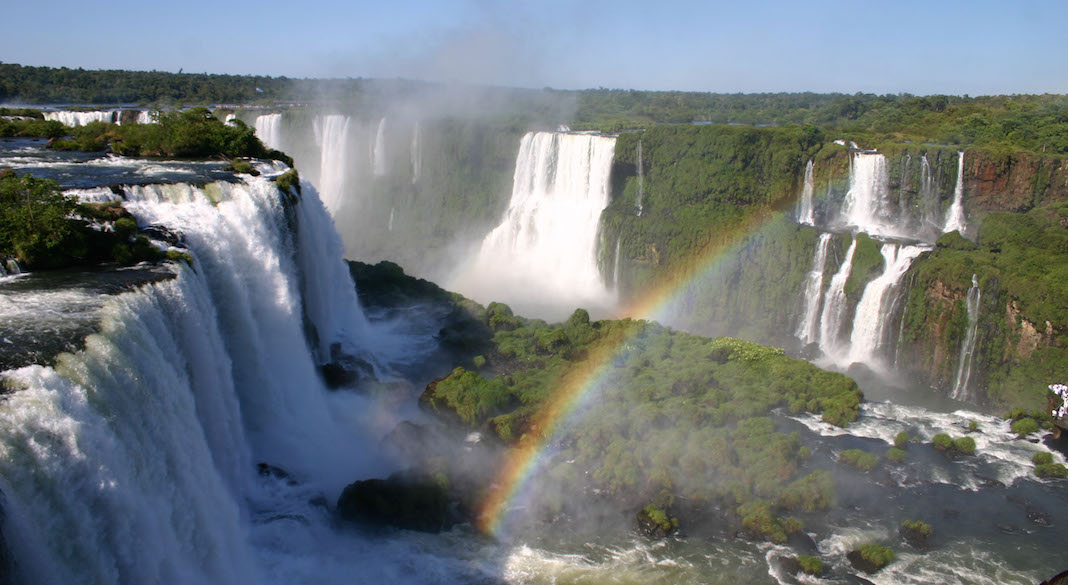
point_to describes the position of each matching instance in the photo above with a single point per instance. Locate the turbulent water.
(543, 254)
(269, 130)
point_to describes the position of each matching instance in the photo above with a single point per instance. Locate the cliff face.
(717, 221)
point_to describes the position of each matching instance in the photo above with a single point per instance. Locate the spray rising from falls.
(805, 211)
(378, 153)
(332, 138)
(131, 461)
(808, 329)
(543, 255)
(955, 216)
(269, 130)
(416, 152)
(967, 348)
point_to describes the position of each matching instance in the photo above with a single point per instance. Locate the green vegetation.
(654, 521)
(671, 413)
(810, 565)
(895, 455)
(43, 228)
(961, 446)
(917, 526)
(1051, 471)
(876, 554)
(901, 440)
(288, 180)
(192, 133)
(862, 460)
(760, 522)
(1042, 458)
(1024, 427)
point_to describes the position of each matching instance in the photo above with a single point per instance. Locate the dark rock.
(789, 564)
(801, 541)
(857, 560)
(346, 372)
(915, 537)
(410, 500)
(164, 234)
(857, 580)
(1038, 517)
(655, 522)
(268, 470)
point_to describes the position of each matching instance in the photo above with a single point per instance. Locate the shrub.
(1051, 471)
(877, 554)
(942, 442)
(917, 526)
(964, 445)
(288, 180)
(810, 565)
(901, 440)
(1042, 458)
(1024, 426)
(896, 455)
(862, 460)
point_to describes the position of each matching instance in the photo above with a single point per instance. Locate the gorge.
(201, 443)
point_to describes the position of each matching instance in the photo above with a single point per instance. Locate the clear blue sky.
(938, 46)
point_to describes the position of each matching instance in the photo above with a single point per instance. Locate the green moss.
(895, 455)
(901, 440)
(1042, 458)
(964, 445)
(878, 555)
(942, 442)
(288, 180)
(1024, 427)
(917, 526)
(868, 263)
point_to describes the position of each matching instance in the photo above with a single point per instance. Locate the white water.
(967, 347)
(835, 306)
(145, 117)
(929, 197)
(873, 310)
(641, 180)
(378, 154)
(131, 461)
(955, 216)
(867, 205)
(269, 130)
(808, 327)
(615, 265)
(331, 136)
(544, 252)
(68, 118)
(805, 211)
(390, 226)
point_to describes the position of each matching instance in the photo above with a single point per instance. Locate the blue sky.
(941, 46)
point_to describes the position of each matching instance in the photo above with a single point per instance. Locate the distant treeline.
(1029, 122)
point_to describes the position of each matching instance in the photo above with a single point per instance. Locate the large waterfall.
(873, 310)
(543, 255)
(332, 138)
(269, 130)
(967, 346)
(867, 204)
(69, 118)
(835, 306)
(808, 327)
(132, 461)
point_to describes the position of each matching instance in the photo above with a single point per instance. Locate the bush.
(862, 460)
(1051, 471)
(901, 440)
(942, 442)
(1024, 427)
(917, 526)
(810, 565)
(895, 455)
(964, 445)
(877, 554)
(1042, 458)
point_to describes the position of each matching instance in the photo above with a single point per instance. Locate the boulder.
(410, 500)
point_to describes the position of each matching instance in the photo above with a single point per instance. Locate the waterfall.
(268, 130)
(807, 330)
(543, 255)
(417, 153)
(331, 136)
(378, 153)
(68, 118)
(867, 207)
(390, 226)
(805, 211)
(145, 117)
(641, 180)
(835, 306)
(874, 310)
(12, 266)
(131, 461)
(902, 207)
(967, 347)
(929, 198)
(955, 217)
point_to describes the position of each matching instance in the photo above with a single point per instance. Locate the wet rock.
(410, 500)
(346, 372)
(1038, 517)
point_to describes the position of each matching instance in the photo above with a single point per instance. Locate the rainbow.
(529, 454)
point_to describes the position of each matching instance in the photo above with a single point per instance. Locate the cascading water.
(835, 307)
(615, 266)
(641, 181)
(872, 312)
(805, 210)
(903, 210)
(866, 207)
(929, 198)
(543, 255)
(808, 328)
(332, 138)
(955, 220)
(269, 130)
(378, 153)
(145, 117)
(967, 348)
(131, 461)
(82, 118)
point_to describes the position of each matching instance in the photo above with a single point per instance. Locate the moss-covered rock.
(870, 558)
(654, 522)
(404, 500)
(859, 459)
(915, 533)
(1051, 471)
